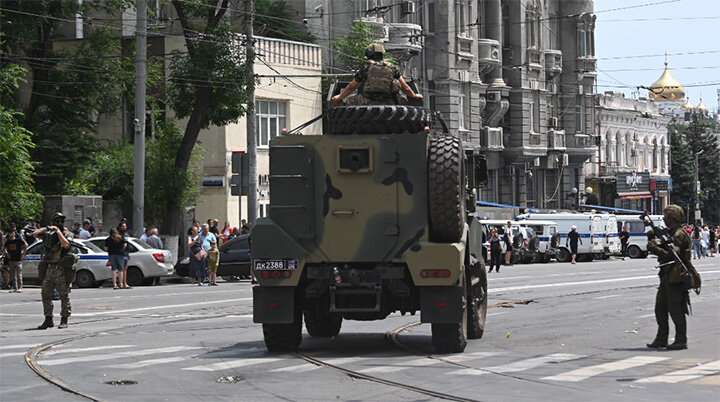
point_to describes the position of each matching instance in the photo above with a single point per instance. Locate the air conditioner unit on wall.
(408, 7)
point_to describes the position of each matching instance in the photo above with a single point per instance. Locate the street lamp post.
(698, 214)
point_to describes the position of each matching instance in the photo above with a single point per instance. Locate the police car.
(93, 267)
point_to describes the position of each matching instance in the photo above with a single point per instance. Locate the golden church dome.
(701, 106)
(667, 88)
(688, 105)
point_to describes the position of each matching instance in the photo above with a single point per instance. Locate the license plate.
(274, 265)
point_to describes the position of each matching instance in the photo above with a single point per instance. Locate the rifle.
(665, 240)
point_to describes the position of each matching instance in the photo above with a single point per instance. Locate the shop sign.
(633, 182)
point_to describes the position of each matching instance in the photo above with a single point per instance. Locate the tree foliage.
(274, 19)
(697, 138)
(350, 48)
(71, 83)
(18, 201)
(110, 174)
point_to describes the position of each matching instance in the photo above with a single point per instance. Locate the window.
(430, 17)
(461, 12)
(270, 120)
(579, 114)
(535, 111)
(582, 39)
(533, 31)
(506, 26)
(431, 93)
(263, 208)
(464, 106)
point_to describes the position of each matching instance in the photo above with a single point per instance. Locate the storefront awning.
(635, 197)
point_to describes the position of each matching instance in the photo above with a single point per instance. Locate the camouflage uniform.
(379, 84)
(672, 296)
(55, 278)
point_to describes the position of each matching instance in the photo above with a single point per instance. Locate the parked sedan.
(93, 267)
(234, 259)
(145, 263)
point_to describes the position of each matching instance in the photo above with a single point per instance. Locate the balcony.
(609, 169)
(379, 28)
(279, 51)
(464, 47)
(587, 64)
(403, 40)
(489, 53)
(556, 140)
(534, 57)
(491, 138)
(553, 61)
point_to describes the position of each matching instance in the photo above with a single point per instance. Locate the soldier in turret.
(380, 82)
(56, 246)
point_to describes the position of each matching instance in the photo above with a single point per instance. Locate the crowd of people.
(704, 240)
(203, 242)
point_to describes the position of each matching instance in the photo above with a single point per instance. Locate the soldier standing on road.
(379, 81)
(672, 296)
(56, 245)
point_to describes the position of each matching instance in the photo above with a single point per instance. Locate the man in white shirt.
(84, 231)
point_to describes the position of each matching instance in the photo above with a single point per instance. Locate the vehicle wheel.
(547, 259)
(147, 281)
(534, 243)
(283, 337)
(134, 276)
(85, 279)
(528, 260)
(477, 301)
(378, 119)
(451, 338)
(322, 325)
(563, 255)
(446, 190)
(518, 240)
(634, 252)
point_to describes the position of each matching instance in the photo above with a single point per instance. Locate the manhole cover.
(229, 379)
(121, 382)
(626, 379)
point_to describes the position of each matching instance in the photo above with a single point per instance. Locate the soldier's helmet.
(375, 51)
(675, 212)
(58, 216)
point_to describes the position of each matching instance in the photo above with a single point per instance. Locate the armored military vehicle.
(372, 218)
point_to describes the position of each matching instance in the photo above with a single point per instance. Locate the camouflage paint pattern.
(321, 213)
(55, 279)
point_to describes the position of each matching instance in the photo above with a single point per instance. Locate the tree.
(351, 47)
(274, 19)
(18, 201)
(697, 138)
(209, 84)
(110, 174)
(71, 83)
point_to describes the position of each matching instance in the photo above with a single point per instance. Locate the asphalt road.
(557, 332)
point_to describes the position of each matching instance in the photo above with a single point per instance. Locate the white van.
(638, 232)
(548, 235)
(589, 226)
(611, 242)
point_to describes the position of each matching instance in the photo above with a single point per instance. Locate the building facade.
(631, 164)
(515, 79)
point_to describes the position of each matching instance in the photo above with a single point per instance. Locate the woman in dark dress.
(495, 251)
(197, 269)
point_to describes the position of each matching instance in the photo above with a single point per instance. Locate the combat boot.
(63, 323)
(48, 323)
(677, 346)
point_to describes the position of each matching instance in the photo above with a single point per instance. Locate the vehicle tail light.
(273, 305)
(276, 274)
(435, 273)
(607, 238)
(287, 274)
(265, 274)
(160, 257)
(441, 304)
(526, 242)
(108, 264)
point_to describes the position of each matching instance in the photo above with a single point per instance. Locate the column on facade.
(493, 30)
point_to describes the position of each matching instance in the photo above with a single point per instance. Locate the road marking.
(391, 368)
(234, 364)
(606, 297)
(587, 372)
(597, 281)
(132, 310)
(126, 297)
(22, 346)
(110, 356)
(78, 350)
(507, 278)
(521, 365)
(467, 356)
(686, 374)
(646, 315)
(300, 368)
(151, 362)
(11, 354)
(496, 313)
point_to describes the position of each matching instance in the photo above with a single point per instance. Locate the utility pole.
(140, 78)
(251, 133)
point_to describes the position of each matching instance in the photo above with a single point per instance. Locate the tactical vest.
(53, 248)
(379, 81)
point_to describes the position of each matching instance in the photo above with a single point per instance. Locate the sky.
(657, 26)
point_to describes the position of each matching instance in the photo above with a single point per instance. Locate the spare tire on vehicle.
(378, 119)
(518, 240)
(534, 243)
(446, 189)
(555, 240)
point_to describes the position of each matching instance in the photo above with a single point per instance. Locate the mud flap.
(441, 304)
(273, 304)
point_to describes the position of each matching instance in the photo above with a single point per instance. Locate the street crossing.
(566, 367)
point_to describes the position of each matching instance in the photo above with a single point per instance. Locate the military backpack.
(379, 81)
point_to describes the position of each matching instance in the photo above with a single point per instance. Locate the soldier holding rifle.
(677, 275)
(52, 269)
